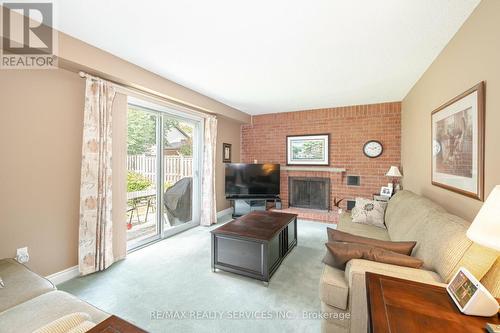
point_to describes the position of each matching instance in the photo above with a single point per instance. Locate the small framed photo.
(226, 153)
(386, 191)
(307, 149)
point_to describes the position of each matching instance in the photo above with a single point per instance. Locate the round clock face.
(436, 147)
(373, 149)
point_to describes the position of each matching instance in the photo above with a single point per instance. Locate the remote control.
(493, 328)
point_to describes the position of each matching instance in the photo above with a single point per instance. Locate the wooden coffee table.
(397, 305)
(255, 244)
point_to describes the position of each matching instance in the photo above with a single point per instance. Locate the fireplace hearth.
(309, 192)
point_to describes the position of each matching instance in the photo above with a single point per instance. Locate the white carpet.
(173, 278)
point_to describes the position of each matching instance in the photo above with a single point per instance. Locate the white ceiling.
(265, 56)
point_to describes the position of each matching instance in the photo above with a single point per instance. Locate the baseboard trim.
(225, 212)
(72, 272)
(64, 275)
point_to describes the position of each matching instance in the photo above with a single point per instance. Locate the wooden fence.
(176, 167)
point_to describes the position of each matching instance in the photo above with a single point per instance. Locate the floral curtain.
(208, 209)
(95, 251)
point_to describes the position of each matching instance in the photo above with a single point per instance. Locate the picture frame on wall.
(308, 149)
(457, 129)
(226, 153)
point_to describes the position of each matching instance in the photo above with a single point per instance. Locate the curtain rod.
(171, 102)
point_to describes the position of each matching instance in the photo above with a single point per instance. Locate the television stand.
(243, 206)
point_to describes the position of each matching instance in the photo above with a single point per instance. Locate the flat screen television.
(252, 180)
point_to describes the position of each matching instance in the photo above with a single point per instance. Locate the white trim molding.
(225, 212)
(64, 275)
(72, 272)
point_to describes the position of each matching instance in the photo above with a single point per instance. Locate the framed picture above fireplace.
(307, 149)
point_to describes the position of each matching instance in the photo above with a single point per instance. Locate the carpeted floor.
(172, 281)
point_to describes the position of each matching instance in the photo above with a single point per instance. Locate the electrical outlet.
(22, 255)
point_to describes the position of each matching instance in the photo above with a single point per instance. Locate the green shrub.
(137, 182)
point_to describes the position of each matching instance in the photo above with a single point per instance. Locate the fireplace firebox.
(309, 192)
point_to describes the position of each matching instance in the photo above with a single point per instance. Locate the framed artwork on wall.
(458, 143)
(308, 149)
(226, 153)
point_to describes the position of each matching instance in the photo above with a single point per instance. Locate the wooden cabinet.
(255, 244)
(398, 305)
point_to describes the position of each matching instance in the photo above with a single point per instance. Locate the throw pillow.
(342, 252)
(369, 212)
(398, 247)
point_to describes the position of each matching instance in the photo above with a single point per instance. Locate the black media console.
(243, 206)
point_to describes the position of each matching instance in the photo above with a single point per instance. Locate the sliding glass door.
(163, 164)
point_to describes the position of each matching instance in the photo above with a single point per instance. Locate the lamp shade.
(485, 229)
(393, 172)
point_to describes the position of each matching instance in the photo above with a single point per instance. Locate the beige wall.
(41, 122)
(473, 55)
(228, 131)
(41, 117)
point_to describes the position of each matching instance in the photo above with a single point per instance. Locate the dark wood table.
(397, 305)
(115, 324)
(255, 244)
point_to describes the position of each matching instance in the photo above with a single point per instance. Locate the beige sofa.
(441, 243)
(29, 302)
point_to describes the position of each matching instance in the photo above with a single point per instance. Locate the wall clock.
(373, 149)
(436, 147)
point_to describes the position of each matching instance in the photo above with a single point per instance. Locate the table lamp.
(394, 173)
(485, 229)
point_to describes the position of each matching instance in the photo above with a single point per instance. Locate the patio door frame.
(182, 114)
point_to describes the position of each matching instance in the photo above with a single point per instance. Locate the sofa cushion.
(491, 280)
(398, 247)
(43, 310)
(333, 288)
(345, 224)
(405, 214)
(442, 244)
(361, 266)
(342, 252)
(479, 260)
(441, 237)
(21, 284)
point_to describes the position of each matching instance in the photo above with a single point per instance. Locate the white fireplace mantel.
(313, 168)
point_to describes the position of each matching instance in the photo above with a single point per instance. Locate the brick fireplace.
(349, 127)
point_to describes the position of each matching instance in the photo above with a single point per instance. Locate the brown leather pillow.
(342, 252)
(398, 247)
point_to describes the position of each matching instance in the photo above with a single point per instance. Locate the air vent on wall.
(353, 181)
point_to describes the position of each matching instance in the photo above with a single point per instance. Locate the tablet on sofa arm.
(470, 296)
